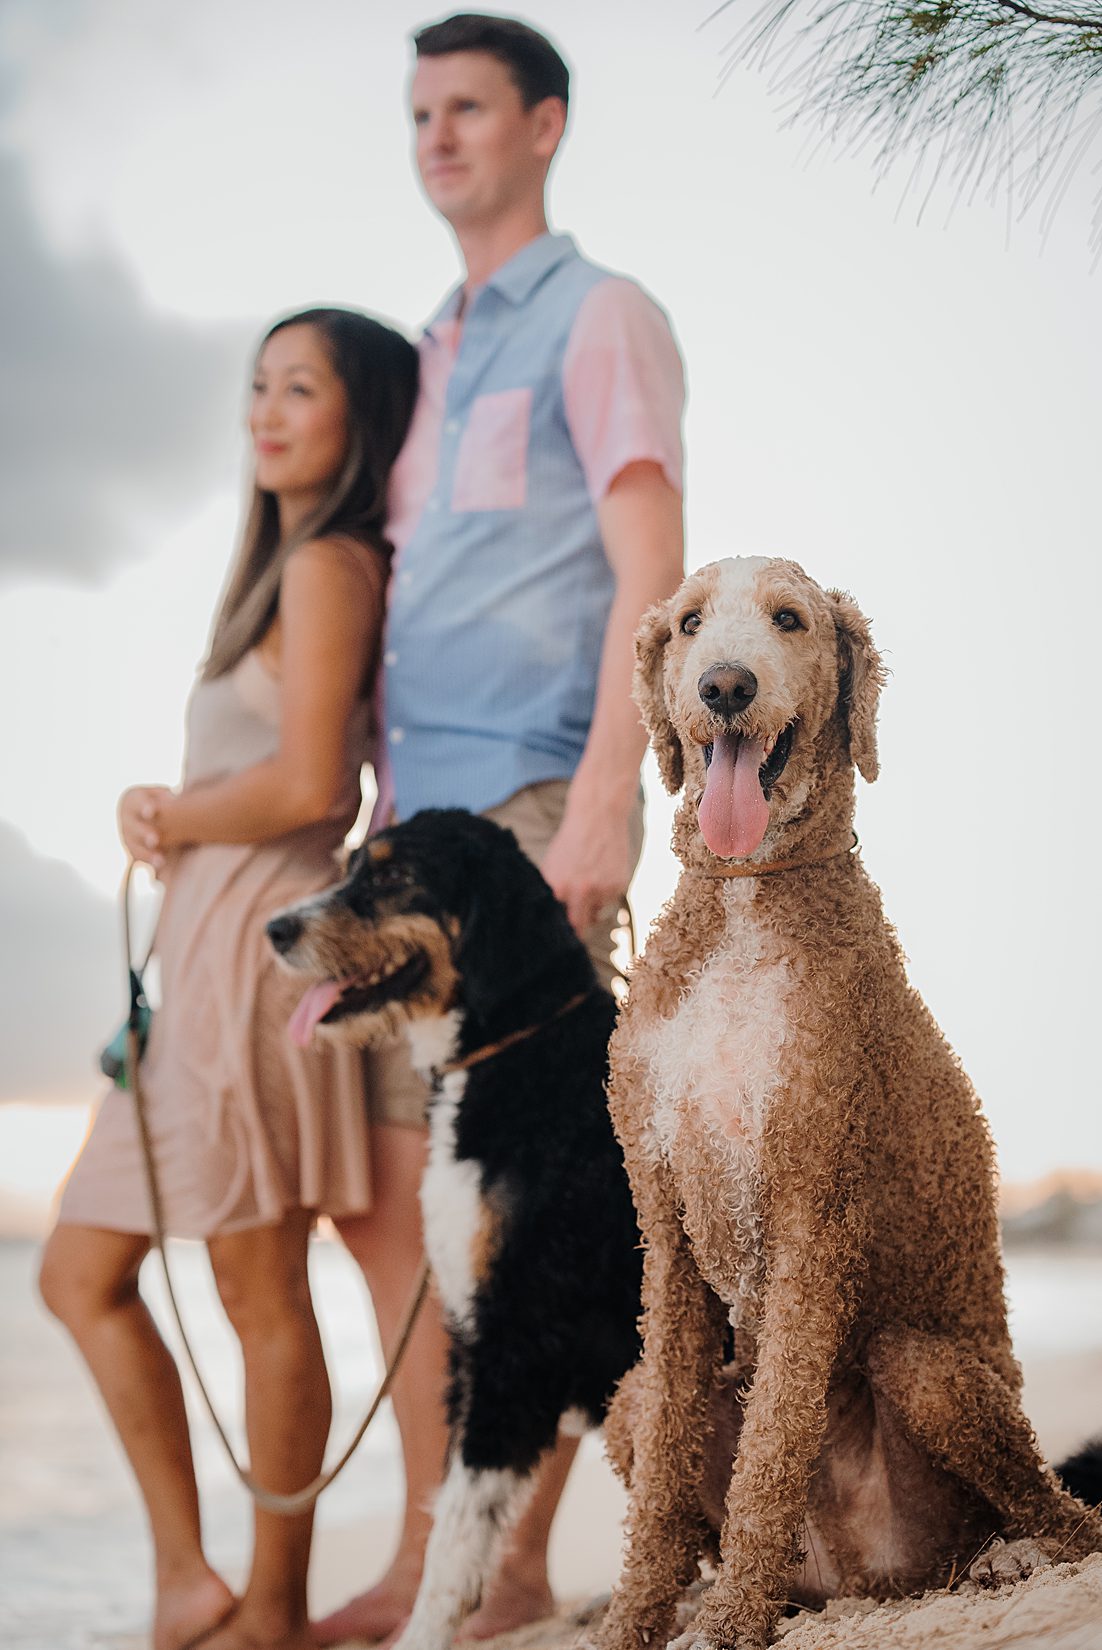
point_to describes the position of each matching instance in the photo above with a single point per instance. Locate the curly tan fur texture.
(810, 1166)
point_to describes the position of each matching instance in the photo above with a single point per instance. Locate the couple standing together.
(510, 492)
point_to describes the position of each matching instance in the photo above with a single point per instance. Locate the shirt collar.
(517, 279)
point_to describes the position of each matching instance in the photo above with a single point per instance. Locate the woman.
(252, 1137)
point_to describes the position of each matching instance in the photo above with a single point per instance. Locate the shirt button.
(390, 657)
(405, 579)
(434, 504)
(397, 735)
(451, 426)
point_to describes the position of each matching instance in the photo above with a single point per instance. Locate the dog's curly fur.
(810, 1165)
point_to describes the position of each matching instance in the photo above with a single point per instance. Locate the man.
(536, 513)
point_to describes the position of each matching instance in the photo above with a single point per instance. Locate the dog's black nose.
(284, 930)
(727, 689)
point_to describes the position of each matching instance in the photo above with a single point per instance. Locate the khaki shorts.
(395, 1093)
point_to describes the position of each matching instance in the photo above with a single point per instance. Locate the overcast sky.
(910, 409)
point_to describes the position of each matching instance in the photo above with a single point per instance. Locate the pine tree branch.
(993, 93)
(1087, 23)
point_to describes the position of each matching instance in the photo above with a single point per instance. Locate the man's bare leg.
(520, 1590)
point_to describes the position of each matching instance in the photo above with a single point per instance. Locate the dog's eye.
(690, 624)
(388, 877)
(785, 619)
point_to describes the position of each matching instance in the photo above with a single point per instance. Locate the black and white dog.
(444, 929)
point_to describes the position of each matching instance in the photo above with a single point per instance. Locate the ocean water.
(73, 1548)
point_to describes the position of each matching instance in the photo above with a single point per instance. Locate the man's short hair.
(535, 66)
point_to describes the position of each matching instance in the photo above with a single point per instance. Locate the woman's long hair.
(378, 368)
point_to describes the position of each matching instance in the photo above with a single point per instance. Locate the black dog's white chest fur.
(454, 1212)
(451, 1207)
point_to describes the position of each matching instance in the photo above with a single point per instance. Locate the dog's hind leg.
(669, 1398)
(475, 1509)
(621, 1422)
(961, 1413)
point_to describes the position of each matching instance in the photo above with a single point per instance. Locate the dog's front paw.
(696, 1639)
(712, 1636)
(734, 1627)
(692, 1639)
(1006, 1562)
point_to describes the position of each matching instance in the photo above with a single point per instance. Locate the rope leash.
(270, 1500)
(488, 1050)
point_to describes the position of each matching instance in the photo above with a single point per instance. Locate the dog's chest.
(715, 1067)
(460, 1226)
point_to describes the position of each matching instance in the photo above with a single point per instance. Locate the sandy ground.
(74, 1551)
(1058, 1608)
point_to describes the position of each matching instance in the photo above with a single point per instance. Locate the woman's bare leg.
(388, 1244)
(262, 1279)
(89, 1280)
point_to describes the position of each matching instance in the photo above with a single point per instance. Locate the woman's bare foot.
(188, 1610)
(239, 1633)
(515, 1597)
(376, 1616)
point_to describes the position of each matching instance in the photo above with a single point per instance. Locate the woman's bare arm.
(329, 630)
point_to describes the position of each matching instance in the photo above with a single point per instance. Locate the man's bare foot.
(188, 1610)
(374, 1617)
(513, 1599)
(392, 1638)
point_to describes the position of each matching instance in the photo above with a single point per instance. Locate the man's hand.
(588, 861)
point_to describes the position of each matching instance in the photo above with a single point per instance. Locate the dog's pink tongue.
(314, 1006)
(733, 813)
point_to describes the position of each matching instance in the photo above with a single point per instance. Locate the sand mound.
(1059, 1608)
(1056, 1609)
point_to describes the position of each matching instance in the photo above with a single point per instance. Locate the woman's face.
(298, 417)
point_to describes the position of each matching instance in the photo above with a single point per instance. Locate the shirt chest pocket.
(491, 466)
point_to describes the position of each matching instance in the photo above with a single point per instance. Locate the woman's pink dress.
(245, 1126)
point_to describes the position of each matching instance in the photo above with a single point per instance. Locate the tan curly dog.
(810, 1166)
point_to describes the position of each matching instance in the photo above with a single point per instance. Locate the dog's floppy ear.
(862, 674)
(648, 691)
(495, 953)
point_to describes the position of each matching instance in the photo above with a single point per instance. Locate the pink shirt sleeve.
(623, 386)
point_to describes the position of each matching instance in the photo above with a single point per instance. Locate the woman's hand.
(141, 822)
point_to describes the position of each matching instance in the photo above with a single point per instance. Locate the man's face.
(480, 152)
